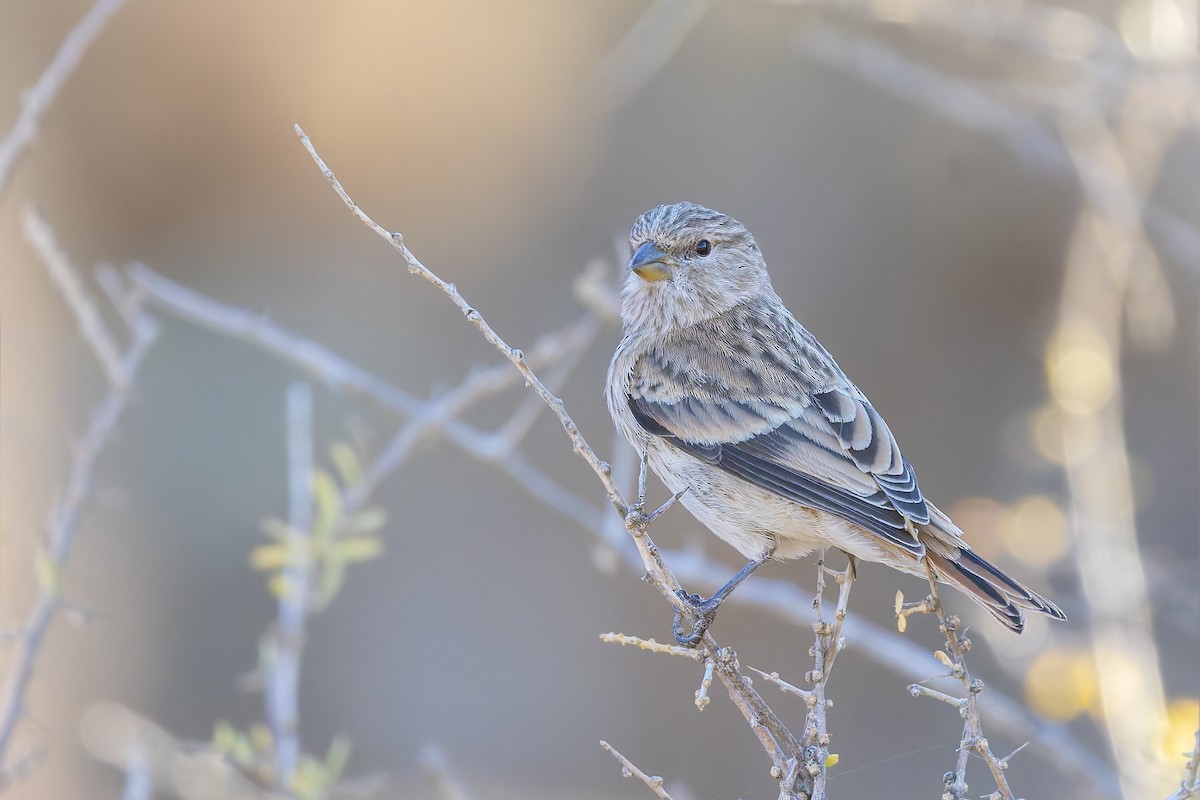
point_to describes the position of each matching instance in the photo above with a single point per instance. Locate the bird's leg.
(706, 610)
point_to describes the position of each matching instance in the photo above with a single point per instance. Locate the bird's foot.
(702, 611)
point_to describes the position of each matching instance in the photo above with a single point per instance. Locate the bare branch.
(973, 740)
(1101, 261)
(652, 646)
(91, 324)
(38, 98)
(653, 782)
(774, 678)
(829, 642)
(648, 47)
(602, 470)
(64, 518)
(1029, 139)
(281, 690)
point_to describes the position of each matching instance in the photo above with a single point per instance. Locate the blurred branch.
(340, 374)
(139, 783)
(118, 736)
(1190, 785)
(64, 518)
(646, 48)
(1083, 368)
(281, 691)
(653, 782)
(437, 768)
(91, 325)
(38, 98)
(1031, 140)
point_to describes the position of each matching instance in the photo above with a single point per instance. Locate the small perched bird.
(739, 408)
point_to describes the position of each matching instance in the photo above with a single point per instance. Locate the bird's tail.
(983, 582)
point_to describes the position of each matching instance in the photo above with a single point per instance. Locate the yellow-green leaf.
(328, 501)
(261, 738)
(269, 556)
(223, 737)
(275, 529)
(333, 574)
(281, 586)
(366, 521)
(346, 461)
(359, 549)
(47, 572)
(337, 757)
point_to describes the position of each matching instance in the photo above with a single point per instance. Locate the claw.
(704, 611)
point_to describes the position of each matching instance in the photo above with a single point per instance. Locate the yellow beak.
(650, 263)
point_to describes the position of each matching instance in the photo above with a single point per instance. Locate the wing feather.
(819, 442)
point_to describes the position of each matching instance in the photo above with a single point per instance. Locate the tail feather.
(984, 583)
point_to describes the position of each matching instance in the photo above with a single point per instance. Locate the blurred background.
(989, 213)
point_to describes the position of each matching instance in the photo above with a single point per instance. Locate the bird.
(741, 412)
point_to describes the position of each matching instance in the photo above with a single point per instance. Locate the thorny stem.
(829, 642)
(973, 740)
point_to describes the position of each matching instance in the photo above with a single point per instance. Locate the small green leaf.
(329, 503)
(223, 737)
(48, 572)
(269, 556)
(275, 529)
(261, 738)
(333, 575)
(337, 757)
(358, 549)
(347, 462)
(366, 521)
(241, 751)
(281, 586)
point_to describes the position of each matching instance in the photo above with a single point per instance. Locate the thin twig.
(653, 782)
(517, 357)
(652, 646)
(773, 677)
(973, 739)
(70, 286)
(38, 98)
(829, 642)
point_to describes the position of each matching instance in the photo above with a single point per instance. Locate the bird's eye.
(703, 247)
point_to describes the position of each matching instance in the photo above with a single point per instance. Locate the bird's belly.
(750, 519)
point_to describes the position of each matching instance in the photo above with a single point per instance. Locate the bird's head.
(688, 263)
